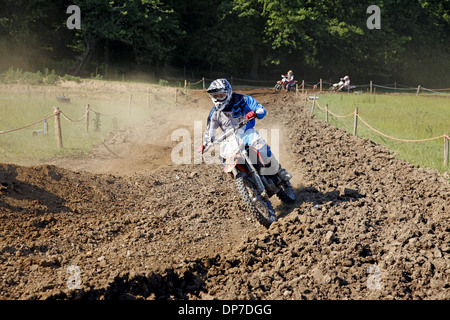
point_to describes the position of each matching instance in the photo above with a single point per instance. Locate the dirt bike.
(282, 84)
(336, 86)
(339, 87)
(254, 188)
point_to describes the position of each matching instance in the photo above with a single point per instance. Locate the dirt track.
(365, 225)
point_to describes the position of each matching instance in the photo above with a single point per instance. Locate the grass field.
(20, 106)
(407, 117)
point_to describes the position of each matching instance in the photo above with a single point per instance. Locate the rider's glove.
(251, 115)
(201, 149)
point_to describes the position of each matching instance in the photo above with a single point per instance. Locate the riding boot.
(284, 174)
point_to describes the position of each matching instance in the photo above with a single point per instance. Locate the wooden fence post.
(45, 127)
(58, 133)
(418, 89)
(203, 80)
(446, 143)
(129, 104)
(87, 118)
(370, 86)
(355, 123)
(321, 85)
(303, 86)
(313, 105)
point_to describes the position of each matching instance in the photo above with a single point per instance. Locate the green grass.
(407, 117)
(37, 103)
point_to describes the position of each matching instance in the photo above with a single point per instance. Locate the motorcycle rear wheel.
(286, 193)
(260, 209)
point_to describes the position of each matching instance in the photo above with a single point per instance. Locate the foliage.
(145, 26)
(12, 76)
(68, 77)
(256, 38)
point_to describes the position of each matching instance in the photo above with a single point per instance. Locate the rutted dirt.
(365, 225)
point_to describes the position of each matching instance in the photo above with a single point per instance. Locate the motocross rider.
(346, 81)
(228, 111)
(289, 80)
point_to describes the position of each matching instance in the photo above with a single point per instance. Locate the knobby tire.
(277, 87)
(284, 192)
(247, 198)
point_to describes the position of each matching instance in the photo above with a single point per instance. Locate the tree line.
(254, 39)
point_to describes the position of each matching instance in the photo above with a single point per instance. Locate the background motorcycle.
(338, 87)
(282, 84)
(254, 188)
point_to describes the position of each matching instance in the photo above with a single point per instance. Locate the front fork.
(259, 184)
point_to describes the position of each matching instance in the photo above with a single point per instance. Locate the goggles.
(218, 95)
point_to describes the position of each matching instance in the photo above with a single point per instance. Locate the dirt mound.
(127, 223)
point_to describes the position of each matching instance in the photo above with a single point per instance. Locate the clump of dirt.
(133, 225)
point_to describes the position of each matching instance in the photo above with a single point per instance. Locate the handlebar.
(227, 133)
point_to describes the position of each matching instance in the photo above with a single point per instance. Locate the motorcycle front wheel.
(256, 206)
(278, 87)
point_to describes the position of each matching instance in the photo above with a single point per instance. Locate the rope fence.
(371, 88)
(320, 86)
(57, 113)
(71, 120)
(28, 125)
(300, 88)
(357, 116)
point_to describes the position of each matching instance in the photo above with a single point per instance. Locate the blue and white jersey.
(232, 115)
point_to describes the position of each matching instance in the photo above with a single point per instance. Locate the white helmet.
(346, 78)
(220, 92)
